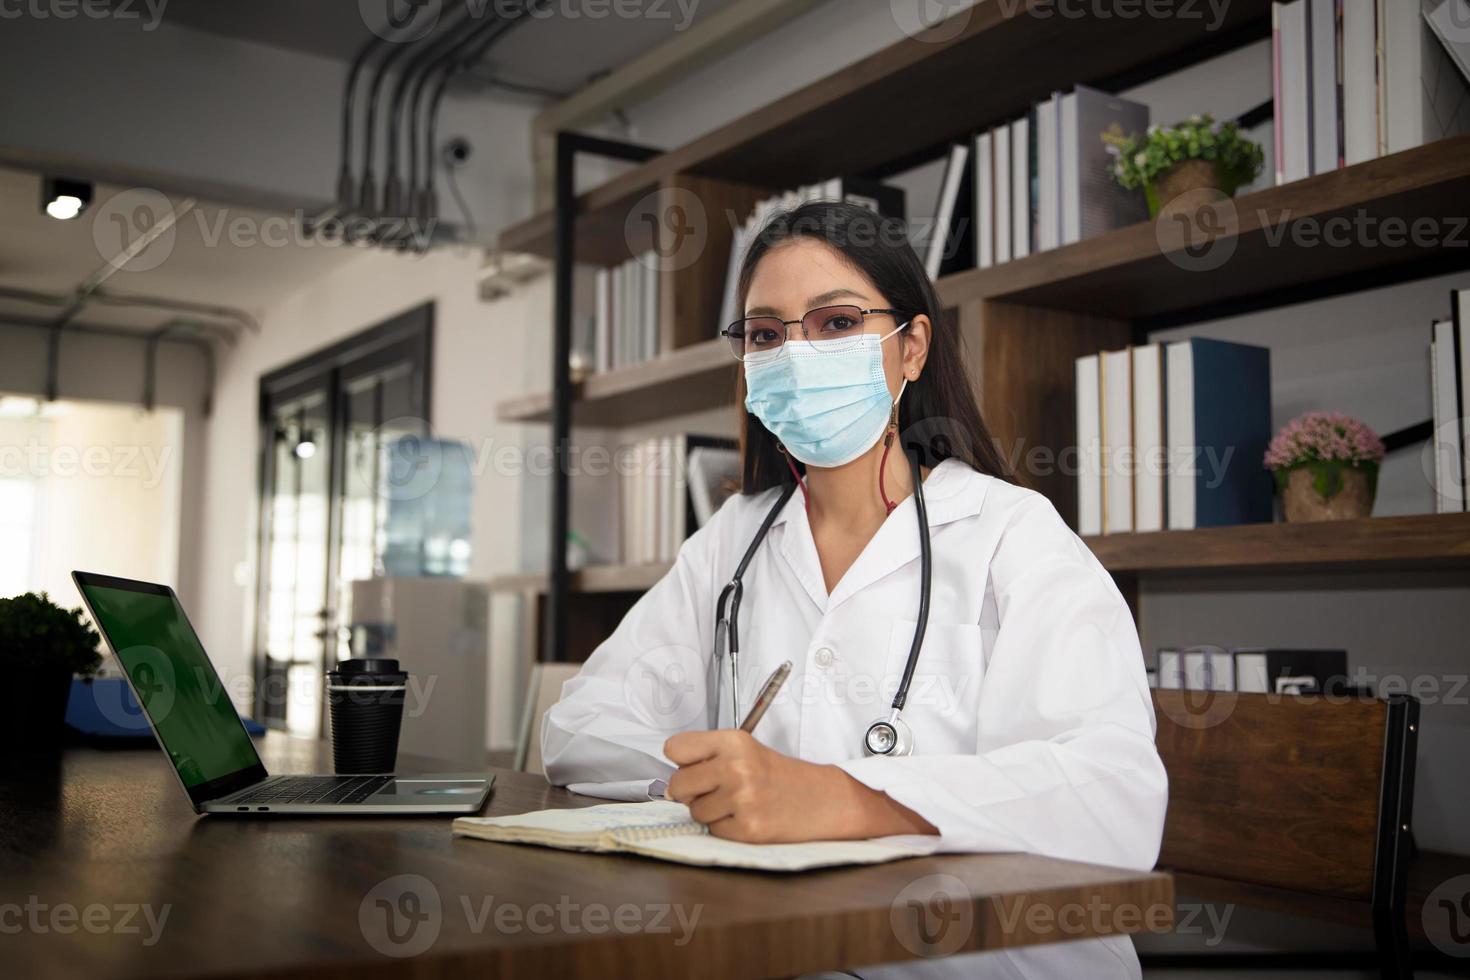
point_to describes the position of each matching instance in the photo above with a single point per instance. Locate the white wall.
(110, 369)
(108, 481)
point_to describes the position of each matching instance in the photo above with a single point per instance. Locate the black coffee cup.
(366, 699)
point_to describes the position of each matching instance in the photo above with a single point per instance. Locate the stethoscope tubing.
(727, 608)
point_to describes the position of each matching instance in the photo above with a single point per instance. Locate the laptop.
(197, 727)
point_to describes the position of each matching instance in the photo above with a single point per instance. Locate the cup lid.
(363, 670)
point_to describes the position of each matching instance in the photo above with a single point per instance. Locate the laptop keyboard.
(312, 789)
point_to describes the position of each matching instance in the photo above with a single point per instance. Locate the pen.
(767, 695)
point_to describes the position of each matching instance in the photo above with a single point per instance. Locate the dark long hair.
(938, 416)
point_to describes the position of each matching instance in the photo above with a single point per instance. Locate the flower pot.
(1303, 499)
(33, 712)
(1183, 178)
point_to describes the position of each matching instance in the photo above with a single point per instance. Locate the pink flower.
(1324, 437)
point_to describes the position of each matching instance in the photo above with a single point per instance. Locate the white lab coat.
(1033, 726)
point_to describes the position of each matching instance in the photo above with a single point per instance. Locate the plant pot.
(1183, 178)
(33, 712)
(1349, 492)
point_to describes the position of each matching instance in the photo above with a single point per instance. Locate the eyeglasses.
(826, 328)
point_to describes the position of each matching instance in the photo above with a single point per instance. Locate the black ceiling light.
(64, 199)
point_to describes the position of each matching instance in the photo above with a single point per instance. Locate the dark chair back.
(1298, 793)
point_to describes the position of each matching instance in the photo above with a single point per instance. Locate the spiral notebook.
(664, 830)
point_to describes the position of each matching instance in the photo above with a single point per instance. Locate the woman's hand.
(747, 792)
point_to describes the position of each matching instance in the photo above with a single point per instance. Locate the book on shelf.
(1001, 142)
(1116, 368)
(1461, 301)
(1171, 670)
(1089, 446)
(1291, 53)
(1092, 124)
(1323, 81)
(1150, 452)
(663, 498)
(625, 323)
(1021, 164)
(984, 201)
(713, 475)
(1253, 670)
(1048, 173)
(1259, 670)
(1448, 362)
(1217, 398)
(1208, 669)
(940, 245)
(1357, 79)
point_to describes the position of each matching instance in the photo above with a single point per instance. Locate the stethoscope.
(886, 736)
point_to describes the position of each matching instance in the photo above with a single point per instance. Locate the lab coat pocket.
(945, 689)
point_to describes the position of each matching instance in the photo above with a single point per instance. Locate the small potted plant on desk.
(1326, 467)
(1168, 162)
(42, 646)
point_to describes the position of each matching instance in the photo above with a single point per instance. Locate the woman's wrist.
(864, 812)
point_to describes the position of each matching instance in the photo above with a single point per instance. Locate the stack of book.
(1356, 79)
(1253, 670)
(1173, 436)
(670, 487)
(1449, 382)
(625, 329)
(1045, 180)
(877, 197)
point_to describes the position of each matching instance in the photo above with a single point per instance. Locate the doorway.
(324, 421)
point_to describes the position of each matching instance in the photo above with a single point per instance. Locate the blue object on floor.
(104, 707)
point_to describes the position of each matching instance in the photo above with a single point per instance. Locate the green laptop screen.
(180, 691)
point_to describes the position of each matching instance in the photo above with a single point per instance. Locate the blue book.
(1218, 421)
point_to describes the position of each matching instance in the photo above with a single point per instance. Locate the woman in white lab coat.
(1031, 721)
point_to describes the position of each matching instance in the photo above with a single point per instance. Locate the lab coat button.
(825, 657)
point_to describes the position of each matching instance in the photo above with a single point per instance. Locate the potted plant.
(1170, 161)
(1326, 467)
(42, 646)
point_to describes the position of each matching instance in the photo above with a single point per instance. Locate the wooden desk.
(109, 831)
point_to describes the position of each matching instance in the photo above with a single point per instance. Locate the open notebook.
(664, 830)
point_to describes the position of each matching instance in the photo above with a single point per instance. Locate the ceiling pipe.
(367, 193)
(427, 207)
(411, 198)
(430, 53)
(346, 185)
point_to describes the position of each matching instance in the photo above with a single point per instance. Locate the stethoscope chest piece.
(888, 736)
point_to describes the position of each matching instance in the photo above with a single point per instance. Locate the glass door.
(294, 615)
(323, 507)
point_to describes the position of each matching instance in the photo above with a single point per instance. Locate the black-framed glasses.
(826, 327)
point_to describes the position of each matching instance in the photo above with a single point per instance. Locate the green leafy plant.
(37, 635)
(1141, 158)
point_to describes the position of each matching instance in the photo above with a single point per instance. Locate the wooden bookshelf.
(1119, 275)
(1374, 543)
(913, 95)
(699, 376)
(1418, 541)
(1139, 272)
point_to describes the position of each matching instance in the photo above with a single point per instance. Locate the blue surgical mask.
(827, 407)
